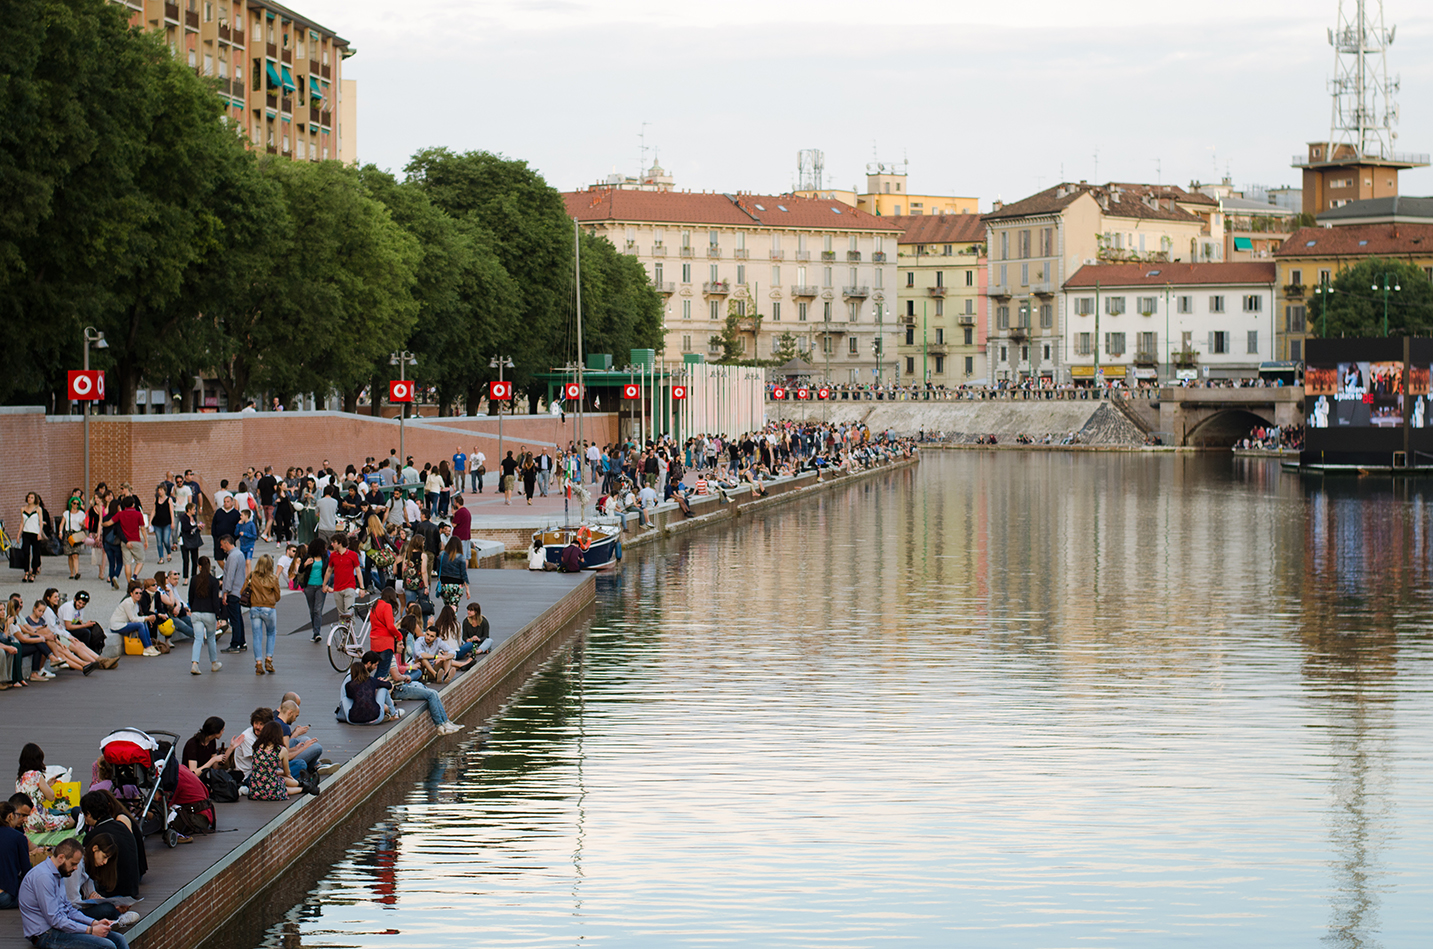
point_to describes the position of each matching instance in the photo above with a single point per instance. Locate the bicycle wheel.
(338, 639)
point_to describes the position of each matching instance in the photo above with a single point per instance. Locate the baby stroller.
(150, 766)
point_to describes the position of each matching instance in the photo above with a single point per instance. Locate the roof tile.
(1114, 276)
(684, 207)
(1360, 240)
(940, 228)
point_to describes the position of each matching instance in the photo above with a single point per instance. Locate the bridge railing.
(982, 394)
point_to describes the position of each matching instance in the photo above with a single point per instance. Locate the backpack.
(195, 819)
(221, 785)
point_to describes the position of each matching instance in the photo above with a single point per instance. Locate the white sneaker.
(449, 728)
(243, 790)
(150, 651)
(215, 666)
(126, 920)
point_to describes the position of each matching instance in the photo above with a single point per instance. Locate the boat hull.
(602, 554)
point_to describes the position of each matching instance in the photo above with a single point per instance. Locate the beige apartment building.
(1036, 244)
(279, 72)
(940, 299)
(887, 195)
(821, 271)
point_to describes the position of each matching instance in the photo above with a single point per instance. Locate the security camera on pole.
(401, 392)
(500, 392)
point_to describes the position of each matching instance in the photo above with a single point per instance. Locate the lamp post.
(1323, 290)
(402, 360)
(1386, 278)
(93, 337)
(880, 317)
(500, 363)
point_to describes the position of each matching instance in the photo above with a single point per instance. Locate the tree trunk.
(350, 401)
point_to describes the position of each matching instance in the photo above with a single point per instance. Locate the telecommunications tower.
(1357, 160)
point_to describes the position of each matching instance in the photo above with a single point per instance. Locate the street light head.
(101, 343)
(1397, 287)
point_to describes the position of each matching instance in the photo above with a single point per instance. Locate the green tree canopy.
(1356, 306)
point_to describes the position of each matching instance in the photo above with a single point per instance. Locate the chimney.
(996, 205)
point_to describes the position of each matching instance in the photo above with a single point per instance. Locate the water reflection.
(1016, 699)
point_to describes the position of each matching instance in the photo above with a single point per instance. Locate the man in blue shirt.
(14, 855)
(460, 465)
(48, 918)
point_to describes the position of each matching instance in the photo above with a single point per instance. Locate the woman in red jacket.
(383, 635)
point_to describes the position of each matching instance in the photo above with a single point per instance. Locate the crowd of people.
(940, 392)
(1272, 438)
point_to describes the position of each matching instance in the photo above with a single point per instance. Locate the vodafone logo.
(400, 390)
(679, 392)
(500, 390)
(86, 385)
(803, 393)
(631, 392)
(572, 391)
(823, 393)
(778, 393)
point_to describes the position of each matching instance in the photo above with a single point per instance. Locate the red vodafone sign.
(500, 390)
(803, 393)
(778, 393)
(87, 385)
(572, 390)
(679, 392)
(823, 393)
(631, 392)
(400, 390)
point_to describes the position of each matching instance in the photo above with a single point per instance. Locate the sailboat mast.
(577, 273)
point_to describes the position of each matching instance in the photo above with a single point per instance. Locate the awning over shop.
(1146, 373)
(1243, 243)
(274, 80)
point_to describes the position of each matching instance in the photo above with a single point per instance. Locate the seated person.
(29, 643)
(475, 636)
(72, 617)
(128, 620)
(675, 491)
(368, 697)
(434, 656)
(168, 604)
(47, 916)
(241, 749)
(405, 688)
(98, 878)
(205, 748)
(102, 779)
(269, 774)
(303, 755)
(101, 819)
(573, 558)
(70, 653)
(646, 502)
(14, 856)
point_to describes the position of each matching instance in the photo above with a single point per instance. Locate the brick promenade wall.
(46, 454)
(194, 913)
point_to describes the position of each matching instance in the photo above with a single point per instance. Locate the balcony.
(803, 255)
(667, 288)
(804, 291)
(313, 114)
(287, 56)
(271, 149)
(327, 73)
(191, 20)
(286, 105)
(271, 51)
(828, 255)
(778, 255)
(223, 33)
(1043, 288)
(740, 253)
(237, 35)
(171, 13)
(746, 324)
(1149, 359)
(630, 247)
(879, 257)
(1294, 291)
(965, 319)
(937, 349)
(713, 251)
(997, 290)
(326, 118)
(313, 67)
(936, 291)
(688, 252)
(853, 256)
(855, 293)
(716, 287)
(659, 250)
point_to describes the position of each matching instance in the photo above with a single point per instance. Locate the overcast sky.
(993, 100)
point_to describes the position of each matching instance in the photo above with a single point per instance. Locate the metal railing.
(740, 253)
(688, 252)
(936, 291)
(879, 257)
(853, 256)
(778, 255)
(852, 292)
(805, 291)
(716, 287)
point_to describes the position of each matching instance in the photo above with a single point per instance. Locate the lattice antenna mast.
(810, 169)
(1365, 106)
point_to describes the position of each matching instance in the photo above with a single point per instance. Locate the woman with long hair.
(73, 533)
(444, 493)
(34, 528)
(452, 574)
(94, 518)
(205, 601)
(269, 779)
(377, 551)
(264, 593)
(162, 520)
(112, 535)
(310, 576)
(30, 780)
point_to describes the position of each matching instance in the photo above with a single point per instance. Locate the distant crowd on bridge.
(1043, 388)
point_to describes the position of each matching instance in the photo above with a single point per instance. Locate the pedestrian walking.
(35, 527)
(264, 593)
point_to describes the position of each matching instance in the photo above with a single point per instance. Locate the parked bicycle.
(348, 638)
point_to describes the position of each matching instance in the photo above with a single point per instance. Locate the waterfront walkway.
(67, 717)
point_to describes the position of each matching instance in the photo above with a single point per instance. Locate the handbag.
(78, 538)
(245, 600)
(133, 646)
(51, 547)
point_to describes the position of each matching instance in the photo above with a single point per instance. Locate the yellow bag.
(133, 646)
(166, 628)
(67, 791)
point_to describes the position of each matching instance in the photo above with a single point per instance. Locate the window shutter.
(1211, 341)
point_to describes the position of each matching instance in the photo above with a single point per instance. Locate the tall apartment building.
(887, 194)
(1036, 244)
(279, 72)
(940, 298)
(821, 271)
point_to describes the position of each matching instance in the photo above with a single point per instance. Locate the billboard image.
(1356, 394)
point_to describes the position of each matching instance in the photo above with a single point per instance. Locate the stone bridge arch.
(1222, 428)
(1218, 417)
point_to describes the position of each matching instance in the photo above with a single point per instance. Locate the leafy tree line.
(128, 203)
(1356, 305)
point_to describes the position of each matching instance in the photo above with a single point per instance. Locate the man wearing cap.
(72, 617)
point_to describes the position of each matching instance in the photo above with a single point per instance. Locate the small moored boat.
(603, 544)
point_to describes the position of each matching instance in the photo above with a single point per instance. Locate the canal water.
(1005, 699)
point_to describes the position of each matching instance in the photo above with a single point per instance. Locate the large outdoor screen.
(1356, 394)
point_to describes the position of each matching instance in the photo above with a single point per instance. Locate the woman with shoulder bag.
(163, 522)
(73, 533)
(112, 535)
(94, 517)
(310, 576)
(35, 527)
